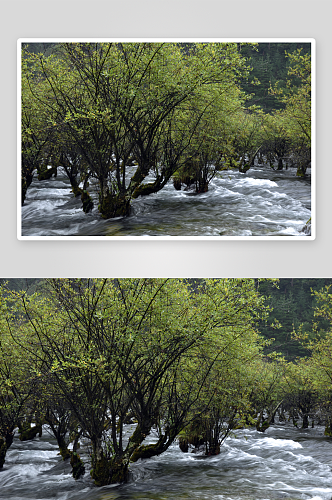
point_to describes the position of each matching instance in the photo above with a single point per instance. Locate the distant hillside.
(292, 304)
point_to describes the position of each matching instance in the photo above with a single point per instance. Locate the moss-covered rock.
(244, 168)
(47, 173)
(26, 433)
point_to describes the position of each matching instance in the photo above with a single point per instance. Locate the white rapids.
(283, 463)
(262, 202)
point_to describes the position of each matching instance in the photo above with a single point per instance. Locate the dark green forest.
(293, 303)
(270, 66)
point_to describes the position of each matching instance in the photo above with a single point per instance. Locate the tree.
(18, 381)
(301, 395)
(118, 101)
(297, 100)
(36, 131)
(149, 347)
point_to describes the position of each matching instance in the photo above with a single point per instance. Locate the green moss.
(77, 191)
(114, 206)
(109, 471)
(146, 451)
(47, 173)
(27, 433)
(328, 431)
(64, 452)
(78, 468)
(138, 436)
(144, 190)
(244, 169)
(101, 473)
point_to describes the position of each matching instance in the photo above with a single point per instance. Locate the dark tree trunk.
(305, 423)
(26, 181)
(3, 451)
(5, 443)
(111, 206)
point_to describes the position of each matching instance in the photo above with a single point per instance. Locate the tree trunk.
(305, 423)
(151, 450)
(3, 451)
(77, 465)
(64, 452)
(109, 471)
(5, 443)
(280, 164)
(26, 181)
(111, 206)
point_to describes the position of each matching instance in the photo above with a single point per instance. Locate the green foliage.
(155, 347)
(120, 112)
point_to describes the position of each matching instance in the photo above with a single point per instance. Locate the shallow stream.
(284, 462)
(262, 202)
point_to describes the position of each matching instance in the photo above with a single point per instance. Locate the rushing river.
(262, 202)
(284, 462)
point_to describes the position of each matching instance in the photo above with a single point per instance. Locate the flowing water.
(284, 462)
(262, 202)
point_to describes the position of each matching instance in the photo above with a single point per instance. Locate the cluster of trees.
(86, 357)
(128, 117)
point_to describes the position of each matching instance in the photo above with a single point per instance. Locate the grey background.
(160, 18)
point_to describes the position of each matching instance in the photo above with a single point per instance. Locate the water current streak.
(262, 202)
(285, 462)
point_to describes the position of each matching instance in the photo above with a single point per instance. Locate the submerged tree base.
(27, 433)
(87, 202)
(109, 471)
(114, 206)
(78, 468)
